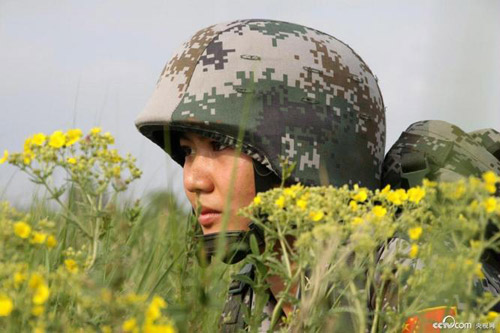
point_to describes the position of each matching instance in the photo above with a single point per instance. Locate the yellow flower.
(6, 306)
(39, 329)
(429, 183)
(415, 194)
(415, 233)
(132, 298)
(397, 197)
(95, 130)
(289, 192)
(73, 135)
(490, 204)
(360, 196)
(474, 205)
(150, 328)
(57, 139)
(19, 278)
(5, 156)
(71, 266)
(130, 325)
(379, 211)
(413, 251)
(357, 221)
(386, 189)
(491, 188)
(106, 329)
(51, 242)
(257, 200)
(39, 139)
(302, 204)
(37, 310)
(22, 229)
(459, 191)
(114, 156)
(280, 202)
(475, 244)
(71, 160)
(154, 309)
(38, 238)
(478, 272)
(490, 177)
(491, 316)
(159, 302)
(116, 171)
(353, 205)
(27, 144)
(36, 281)
(41, 295)
(28, 156)
(316, 216)
(109, 137)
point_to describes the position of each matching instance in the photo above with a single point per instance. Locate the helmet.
(279, 89)
(440, 151)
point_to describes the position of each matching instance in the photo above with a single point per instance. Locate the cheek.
(190, 195)
(245, 184)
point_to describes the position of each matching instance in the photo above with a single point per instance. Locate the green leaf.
(254, 246)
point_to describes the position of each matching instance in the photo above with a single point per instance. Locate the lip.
(209, 216)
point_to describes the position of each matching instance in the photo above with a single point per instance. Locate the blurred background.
(67, 64)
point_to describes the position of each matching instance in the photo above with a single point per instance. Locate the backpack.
(439, 151)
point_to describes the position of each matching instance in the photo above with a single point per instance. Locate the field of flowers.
(97, 263)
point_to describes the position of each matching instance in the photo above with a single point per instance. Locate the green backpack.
(440, 151)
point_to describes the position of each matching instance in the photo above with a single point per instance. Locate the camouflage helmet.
(440, 151)
(295, 93)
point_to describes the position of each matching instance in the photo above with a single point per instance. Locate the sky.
(66, 64)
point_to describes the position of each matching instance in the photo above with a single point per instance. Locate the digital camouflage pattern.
(440, 151)
(296, 92)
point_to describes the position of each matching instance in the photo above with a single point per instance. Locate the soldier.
(271, 90)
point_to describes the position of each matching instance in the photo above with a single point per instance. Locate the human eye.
(217, 146)
(186, 150)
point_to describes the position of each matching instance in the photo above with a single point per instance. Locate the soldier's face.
(207, 182)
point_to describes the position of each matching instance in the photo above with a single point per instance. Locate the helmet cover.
(295, 92)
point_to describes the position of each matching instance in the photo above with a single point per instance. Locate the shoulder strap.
(240, 294)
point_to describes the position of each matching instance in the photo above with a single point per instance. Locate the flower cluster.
(44, 295)
(390, 239)
(87, 159)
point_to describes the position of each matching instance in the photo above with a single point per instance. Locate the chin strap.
(237, 244)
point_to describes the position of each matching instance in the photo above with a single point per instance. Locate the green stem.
(68, 214)
(277, 308)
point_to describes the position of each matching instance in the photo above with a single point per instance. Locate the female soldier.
(273, 90)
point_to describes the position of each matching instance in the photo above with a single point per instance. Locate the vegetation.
(99, 264)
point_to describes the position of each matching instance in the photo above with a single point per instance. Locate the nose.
(198, 174)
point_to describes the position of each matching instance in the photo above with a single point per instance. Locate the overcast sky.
(87, 63)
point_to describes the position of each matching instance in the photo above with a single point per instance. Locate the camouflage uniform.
(440, 151)
(280, 90)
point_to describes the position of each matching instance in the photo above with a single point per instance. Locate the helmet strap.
(236, 244)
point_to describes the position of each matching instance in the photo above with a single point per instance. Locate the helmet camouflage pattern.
(440, 151)
(295, 93)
